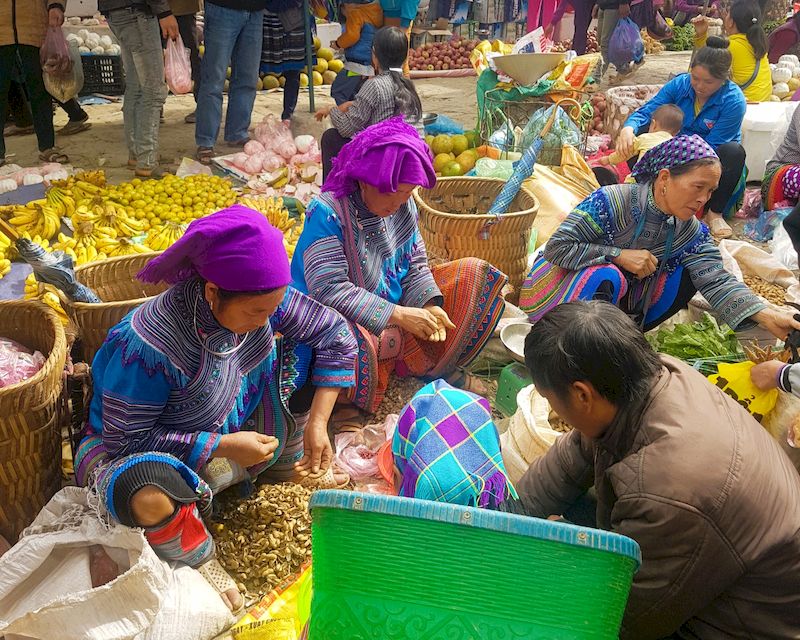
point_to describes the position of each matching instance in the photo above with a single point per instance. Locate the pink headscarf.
(236, 249)
(384, 155)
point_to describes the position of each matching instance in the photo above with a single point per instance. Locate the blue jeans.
(139, 37)
(231, 37)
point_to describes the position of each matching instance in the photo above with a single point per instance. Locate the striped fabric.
(282, 51)
(781, 186)
(447, 449)
(156, 389)
(609, 219)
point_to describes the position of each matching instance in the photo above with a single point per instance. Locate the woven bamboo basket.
(31, 414)
(114, 281)
(452, 227)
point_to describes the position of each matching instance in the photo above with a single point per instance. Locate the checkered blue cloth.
(447, 449)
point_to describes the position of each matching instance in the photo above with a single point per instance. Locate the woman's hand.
(700, 26)
(322, 113)
(625, 141)
(765, 375)
(419, 322)
(778, 323)
(443, 321)
(639, 262)
(248, 448)
(317, 450)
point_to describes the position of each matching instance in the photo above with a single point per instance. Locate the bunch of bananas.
(114, 247)
(96, 177)
(105, 215)
(163, 236)
(5, 262)
(278, 216)
(37, 218)
(35, 290)
(61, 202)
(81, 249)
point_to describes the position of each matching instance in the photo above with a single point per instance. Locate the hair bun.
(717, 42)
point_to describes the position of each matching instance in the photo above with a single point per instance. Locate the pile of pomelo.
(453, 155)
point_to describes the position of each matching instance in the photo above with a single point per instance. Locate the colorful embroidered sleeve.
(323, 267)
(133, 400)
(324, 330)
(585, 238)
(732, 299)
(419, 287)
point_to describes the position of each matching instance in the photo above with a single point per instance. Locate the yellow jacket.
(743, 67)
(23, 22)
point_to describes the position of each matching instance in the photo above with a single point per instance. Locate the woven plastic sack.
(177, 67)
(626, 44)
(529, 435)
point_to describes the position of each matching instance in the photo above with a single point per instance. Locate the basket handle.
(10, 232)
(573, 105)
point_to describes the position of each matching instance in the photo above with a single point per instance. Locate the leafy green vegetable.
(682, 38)
(695, 340)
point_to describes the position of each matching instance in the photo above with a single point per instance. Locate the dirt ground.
(104, 146)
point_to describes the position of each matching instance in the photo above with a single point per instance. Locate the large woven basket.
(451, 221)
(31, 413)
(114, 281)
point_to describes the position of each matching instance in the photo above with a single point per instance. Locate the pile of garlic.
(785, 78)
(89, 42)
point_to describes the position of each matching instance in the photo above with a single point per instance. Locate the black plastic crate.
(103, 74)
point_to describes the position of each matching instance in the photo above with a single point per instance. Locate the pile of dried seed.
(772, 293)
(398, 394)
(264, 539)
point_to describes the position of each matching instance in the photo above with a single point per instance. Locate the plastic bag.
(762, 228)
(17, 363)
(356, 451)
(752, 205)
(563, 132)
(488, 168)
(783, 249)
(177, 67)
(626, 44)
(734, 380)
(54, 54)
(65, 86)
(445, 125)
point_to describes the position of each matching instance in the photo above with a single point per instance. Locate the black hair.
(746, 15)
(669, 118)
(226, 295)
(716, 57)
(390, 47)
(683, 169)
(591, 342)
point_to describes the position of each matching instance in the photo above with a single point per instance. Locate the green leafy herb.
(695, 340)
(682, 38)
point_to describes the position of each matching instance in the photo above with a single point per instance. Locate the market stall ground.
(103, 145)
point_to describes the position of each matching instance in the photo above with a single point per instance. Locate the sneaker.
(191, 118)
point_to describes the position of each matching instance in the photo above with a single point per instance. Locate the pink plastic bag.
(177, 67)
(54, 54)
(17, 363)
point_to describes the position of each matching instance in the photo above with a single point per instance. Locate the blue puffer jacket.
(361, 51)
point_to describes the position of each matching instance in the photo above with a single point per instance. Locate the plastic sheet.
(177, 67)
(762, 228)
(444, 125)
(17, 362)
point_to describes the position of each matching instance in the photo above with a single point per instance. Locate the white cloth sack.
(46, 590)
(528, 435)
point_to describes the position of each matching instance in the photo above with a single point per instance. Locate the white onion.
(106, 41)
(253, 147)
(303, 143)
(7, 184)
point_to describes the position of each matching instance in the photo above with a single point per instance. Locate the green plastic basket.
(404, 569)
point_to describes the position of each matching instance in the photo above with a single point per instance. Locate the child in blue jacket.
(362, 20)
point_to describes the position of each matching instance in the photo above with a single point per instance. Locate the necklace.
(220, 354)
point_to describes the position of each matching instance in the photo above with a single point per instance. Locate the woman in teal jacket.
(713, 108)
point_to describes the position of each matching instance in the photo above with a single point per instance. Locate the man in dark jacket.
(678, 466)
(138, 26)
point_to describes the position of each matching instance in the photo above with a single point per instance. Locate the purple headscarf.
(673, 153)
(236, 249)
(384, 155)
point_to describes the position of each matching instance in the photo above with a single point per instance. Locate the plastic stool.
(513, 378)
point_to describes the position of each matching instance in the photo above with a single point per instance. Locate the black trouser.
(732, 156)
(19, 109)
(187, 27)
(331, 144)
(792, 225)
(291, 91)
(27, 58)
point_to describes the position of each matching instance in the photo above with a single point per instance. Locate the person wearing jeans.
(185, 12)
(233, 36)
(135, 23)
(22, 31)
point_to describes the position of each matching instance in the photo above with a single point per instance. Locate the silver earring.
(663, 191)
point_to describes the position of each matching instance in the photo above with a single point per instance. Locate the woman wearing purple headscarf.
(362, 254)
(641, 247)
(194, 392)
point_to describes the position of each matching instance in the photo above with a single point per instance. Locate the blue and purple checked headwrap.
(675, 152)
(447, 449)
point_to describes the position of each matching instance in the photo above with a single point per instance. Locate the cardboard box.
(436, 33)
(466, 30)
